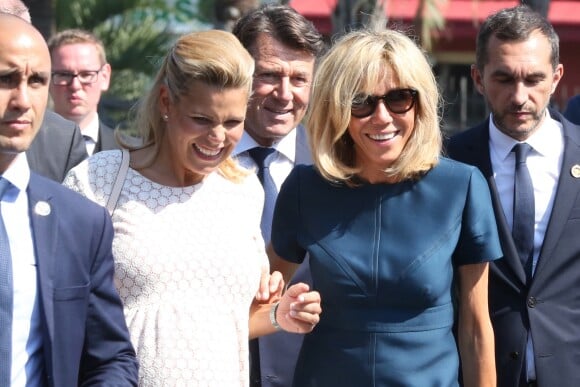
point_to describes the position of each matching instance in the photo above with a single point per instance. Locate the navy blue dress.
(383, 257)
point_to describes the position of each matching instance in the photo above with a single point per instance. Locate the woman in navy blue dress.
(399, 237)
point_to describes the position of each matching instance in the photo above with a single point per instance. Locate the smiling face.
(281, 90)
(380, 138)
(24, 78)
(517, 83)
(202, 129)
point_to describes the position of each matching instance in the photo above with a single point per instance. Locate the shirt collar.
(286, 146)
(18, 173)
(546, 140)
(92, 129)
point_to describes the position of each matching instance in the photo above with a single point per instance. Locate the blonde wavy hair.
(355, 64)
(214, 57)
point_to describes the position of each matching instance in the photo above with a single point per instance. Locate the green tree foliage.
(136, 35)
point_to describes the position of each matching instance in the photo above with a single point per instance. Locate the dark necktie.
(6, 297)
(263, 158)
(524, 209)
(89, 140)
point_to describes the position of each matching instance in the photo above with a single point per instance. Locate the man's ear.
(557, 76)
(477, 79)
(105, 75)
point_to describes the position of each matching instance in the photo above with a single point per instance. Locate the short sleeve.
(77, 179)
(286, 222)
(478, 240)
(95, 176)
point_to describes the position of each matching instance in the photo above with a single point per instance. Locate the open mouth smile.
(208, 152)
(382, 136)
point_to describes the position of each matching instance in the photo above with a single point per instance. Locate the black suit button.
(532, 302)
(514, 355)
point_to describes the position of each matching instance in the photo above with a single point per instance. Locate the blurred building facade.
(453, 47)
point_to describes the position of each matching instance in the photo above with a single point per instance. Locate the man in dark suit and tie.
(61, 320)
(530, 156)
(80, 74)
(285, 47)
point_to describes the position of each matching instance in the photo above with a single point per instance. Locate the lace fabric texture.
(188, 263)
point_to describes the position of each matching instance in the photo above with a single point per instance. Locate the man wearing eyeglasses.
(80, 74)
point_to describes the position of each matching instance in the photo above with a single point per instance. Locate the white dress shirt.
(27, 358)
(91, 134)
(280, 167)
(544, 164)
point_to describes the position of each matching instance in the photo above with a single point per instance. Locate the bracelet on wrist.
(273, 319)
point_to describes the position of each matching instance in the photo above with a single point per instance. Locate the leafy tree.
(136, 35)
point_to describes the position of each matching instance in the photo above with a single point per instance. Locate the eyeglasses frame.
(76, 75)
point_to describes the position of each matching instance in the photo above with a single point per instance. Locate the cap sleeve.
(286, 224)
(478, 240)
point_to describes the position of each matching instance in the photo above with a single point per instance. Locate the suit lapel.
(99, 144)
(303, 155)
(106, 138)
(566, 193)
(43, 218)
(478, 151)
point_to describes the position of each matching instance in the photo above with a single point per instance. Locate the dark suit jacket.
(106, 139)
(85, 338)
(572, 112)
(57, 147)
(548, 307)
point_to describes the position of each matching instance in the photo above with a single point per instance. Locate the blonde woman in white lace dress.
(189, 256)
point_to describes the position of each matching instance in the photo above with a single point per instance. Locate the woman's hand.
(271, 287)
(299, 309)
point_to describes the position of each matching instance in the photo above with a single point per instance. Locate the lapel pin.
(43, 208)
(575, 171)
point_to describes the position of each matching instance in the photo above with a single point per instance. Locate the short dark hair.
(515, 24)
(283, 24)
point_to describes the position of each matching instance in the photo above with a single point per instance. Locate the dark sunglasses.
(398, 101)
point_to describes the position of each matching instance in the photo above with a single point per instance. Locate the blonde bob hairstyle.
(354, 65)
(214, 57)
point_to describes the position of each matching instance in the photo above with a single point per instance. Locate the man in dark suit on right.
(534, 290)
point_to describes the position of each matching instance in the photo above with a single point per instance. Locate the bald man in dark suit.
(61, 318)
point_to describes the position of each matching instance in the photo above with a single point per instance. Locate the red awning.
(561, 13)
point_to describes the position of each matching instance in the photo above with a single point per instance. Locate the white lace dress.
(188, 264)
